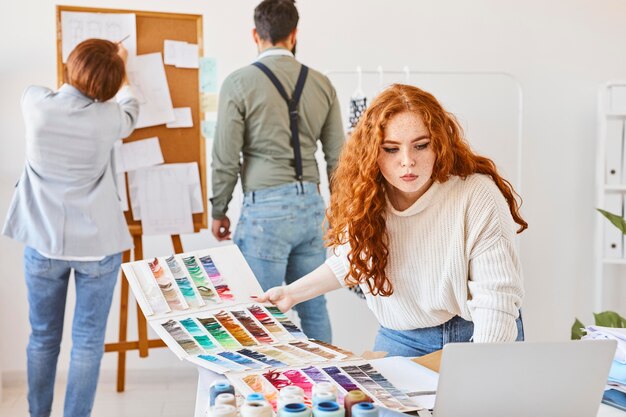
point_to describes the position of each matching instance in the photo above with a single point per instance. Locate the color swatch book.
(199, 303)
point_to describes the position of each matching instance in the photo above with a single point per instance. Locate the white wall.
(560, 51)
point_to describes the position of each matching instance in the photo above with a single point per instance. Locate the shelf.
(615, 261)
(620, 187)
(616, 115)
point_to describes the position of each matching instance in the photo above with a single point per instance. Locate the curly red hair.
(357, 205)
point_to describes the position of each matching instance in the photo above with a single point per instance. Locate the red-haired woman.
(424, 226)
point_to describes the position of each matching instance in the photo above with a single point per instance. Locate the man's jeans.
(47, 281)
(280, 235)
(420, 342)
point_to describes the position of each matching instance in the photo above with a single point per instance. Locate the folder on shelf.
(614, 151)
(613, 237)
(615, 398)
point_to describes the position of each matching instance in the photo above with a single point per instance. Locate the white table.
(206, 377)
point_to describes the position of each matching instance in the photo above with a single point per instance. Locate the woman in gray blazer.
(66, 211)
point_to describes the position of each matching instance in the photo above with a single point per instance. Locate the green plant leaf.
(618, 221)
(609, 319)
(577, 331)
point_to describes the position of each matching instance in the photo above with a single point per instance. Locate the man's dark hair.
(275, 19)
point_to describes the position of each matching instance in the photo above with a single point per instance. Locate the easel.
(177, 145)
(142, 344)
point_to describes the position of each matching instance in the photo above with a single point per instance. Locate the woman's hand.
(122, 52)
(312, 285)
(279, 296)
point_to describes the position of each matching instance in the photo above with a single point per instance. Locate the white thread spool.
(325, 387)
(222, 410)
(323, 396)
(256, 409)
(291, 390)
(226, 398)
(284, 399)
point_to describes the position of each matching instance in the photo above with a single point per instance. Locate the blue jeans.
(419, 342)
(47, 281)
(280, 235)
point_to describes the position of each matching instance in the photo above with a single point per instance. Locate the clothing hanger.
(358, 93)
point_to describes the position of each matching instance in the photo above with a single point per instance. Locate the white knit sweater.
(451, 253)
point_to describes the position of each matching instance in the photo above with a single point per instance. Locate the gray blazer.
(65, 203)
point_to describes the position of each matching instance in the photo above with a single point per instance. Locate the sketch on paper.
(79, 26)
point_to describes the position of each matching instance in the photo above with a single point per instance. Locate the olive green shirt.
(253, 137)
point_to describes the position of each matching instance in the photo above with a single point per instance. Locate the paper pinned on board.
(165, 204)
(149, 83)
(208, 75)
(209, 124)
(187, 179)
(209, 102)
(79, 26)
(138, 154)
(183, 118)
(180, 54)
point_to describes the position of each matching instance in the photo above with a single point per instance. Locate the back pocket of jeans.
(270, 213)
(109, 264)
(35, 263)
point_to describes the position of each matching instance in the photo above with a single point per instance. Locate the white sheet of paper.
(170, 51)
(208, 125)
(180, 54)
(188, 170)
(139, 154)
(79, 26)
(183, 118)
(195, 191)
(619, 334)
(121, 191)
(164, 200)
(188, 56)
(147, 79)
(409, 377)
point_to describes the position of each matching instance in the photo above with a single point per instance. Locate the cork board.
(177, 145)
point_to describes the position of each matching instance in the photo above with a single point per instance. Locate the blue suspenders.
(292, 105)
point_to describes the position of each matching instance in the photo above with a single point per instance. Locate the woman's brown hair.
(95, 68)
(357, 205)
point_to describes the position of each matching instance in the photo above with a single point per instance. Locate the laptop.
(523, 379)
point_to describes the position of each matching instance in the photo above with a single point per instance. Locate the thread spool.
(226, 398)
(255, 396)
(319, 397)
(325, 387)
(256, 409)
(354, 397)
(291, 390)
(284, 399)
(364, 409)
(222, 410)
(217, 388)
(294, 410)
(328, 409)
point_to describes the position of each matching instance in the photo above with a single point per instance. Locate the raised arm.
(129, 105)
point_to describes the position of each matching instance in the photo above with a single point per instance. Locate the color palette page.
(196, 281)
